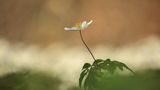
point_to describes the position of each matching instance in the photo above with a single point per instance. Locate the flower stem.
(86, 45)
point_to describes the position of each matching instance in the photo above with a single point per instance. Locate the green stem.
(86, 45)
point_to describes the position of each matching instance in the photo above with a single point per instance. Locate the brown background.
(116, 22)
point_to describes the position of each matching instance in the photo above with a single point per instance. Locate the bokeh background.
(32, 35)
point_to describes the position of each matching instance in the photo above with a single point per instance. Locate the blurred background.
(32, 36)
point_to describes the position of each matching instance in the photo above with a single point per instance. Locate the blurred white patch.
(66, 62)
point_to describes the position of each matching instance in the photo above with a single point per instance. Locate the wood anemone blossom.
(79, 27)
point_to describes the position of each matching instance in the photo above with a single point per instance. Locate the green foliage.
(94, 74)
(29, 80)
(142, 80)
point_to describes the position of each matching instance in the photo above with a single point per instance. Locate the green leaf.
(107, 61)
(124, 65)
(86, 83)
(121, 65)
(112, 67)
(82, 75)
(86, 66)
(97, 61)
(89, 81)
(105, 64)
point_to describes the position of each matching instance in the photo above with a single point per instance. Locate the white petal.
(90, 22)
(66, 28)
(84, 22)
(71, 29)
(84, 25)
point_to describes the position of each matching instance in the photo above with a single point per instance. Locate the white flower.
(80, 26)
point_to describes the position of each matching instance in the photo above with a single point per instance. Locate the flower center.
(78, 25)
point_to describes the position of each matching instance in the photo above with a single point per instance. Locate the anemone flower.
(79, 27)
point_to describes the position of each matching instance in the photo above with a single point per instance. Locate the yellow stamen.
(78, 25)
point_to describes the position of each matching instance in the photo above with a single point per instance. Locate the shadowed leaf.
(86, 66)
(82, 75)
(97, 61)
